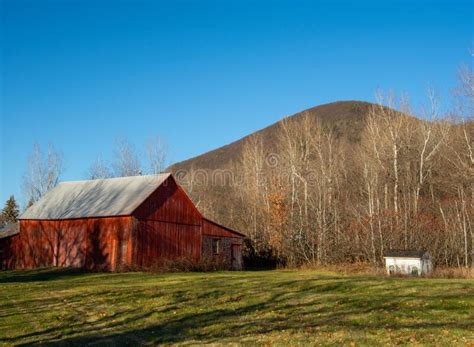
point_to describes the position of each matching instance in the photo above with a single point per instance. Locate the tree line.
(45, 168)
(407, 183)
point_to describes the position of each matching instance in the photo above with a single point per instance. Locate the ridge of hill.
(346, 118)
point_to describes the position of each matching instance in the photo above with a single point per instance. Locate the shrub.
(186, 264)
(452, 272)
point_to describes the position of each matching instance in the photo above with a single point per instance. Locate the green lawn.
(267, 307)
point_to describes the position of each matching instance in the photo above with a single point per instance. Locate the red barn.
(118, 223)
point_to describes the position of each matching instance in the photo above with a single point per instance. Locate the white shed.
(408, 262)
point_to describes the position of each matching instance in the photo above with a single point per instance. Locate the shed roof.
(404, 253)
(8, 230)
(224, 227)
(95, 198)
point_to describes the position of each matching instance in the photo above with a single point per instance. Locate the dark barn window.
(216, 246)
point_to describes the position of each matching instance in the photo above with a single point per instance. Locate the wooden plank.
(69, 243)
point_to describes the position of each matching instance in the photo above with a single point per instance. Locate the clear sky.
(201, 74)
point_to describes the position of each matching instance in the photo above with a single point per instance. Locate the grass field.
(267, 307)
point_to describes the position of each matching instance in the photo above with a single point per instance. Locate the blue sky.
(201, 74)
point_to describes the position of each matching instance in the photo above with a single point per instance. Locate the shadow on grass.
(325, 304)
(192, 328)
(39, 275)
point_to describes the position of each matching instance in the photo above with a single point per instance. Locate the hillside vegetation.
(269, 307)
(344, 182)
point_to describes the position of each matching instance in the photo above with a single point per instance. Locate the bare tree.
(385, 126)
(253, 163)
(98, 170)
(42, 173)
(430, 136)
(127, 160)
(464, 92)
(157, 154)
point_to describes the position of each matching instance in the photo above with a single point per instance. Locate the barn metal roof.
(95, 198)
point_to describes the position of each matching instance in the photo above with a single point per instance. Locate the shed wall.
(407, 266)
(6, 252)
(230, 251)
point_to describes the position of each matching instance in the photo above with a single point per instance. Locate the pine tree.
(11, 210)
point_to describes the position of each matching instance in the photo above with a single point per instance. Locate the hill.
(347, 120)
(345, 117)
(303, 189)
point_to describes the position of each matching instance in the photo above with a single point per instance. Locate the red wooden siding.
(213, 229)
(230, 242)
(169, 203)
(6, 252)
(89, 243)
(168, 226)
(157, 241)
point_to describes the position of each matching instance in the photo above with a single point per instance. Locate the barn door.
(236, 257)
(120, 254)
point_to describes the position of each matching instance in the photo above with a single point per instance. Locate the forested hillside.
(344, 182)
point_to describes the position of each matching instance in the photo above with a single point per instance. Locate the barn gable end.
(167, 226)
(168, 203)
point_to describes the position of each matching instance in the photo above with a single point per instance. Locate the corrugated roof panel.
(95, 198)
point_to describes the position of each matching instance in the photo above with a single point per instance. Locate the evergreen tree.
(11, 211)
